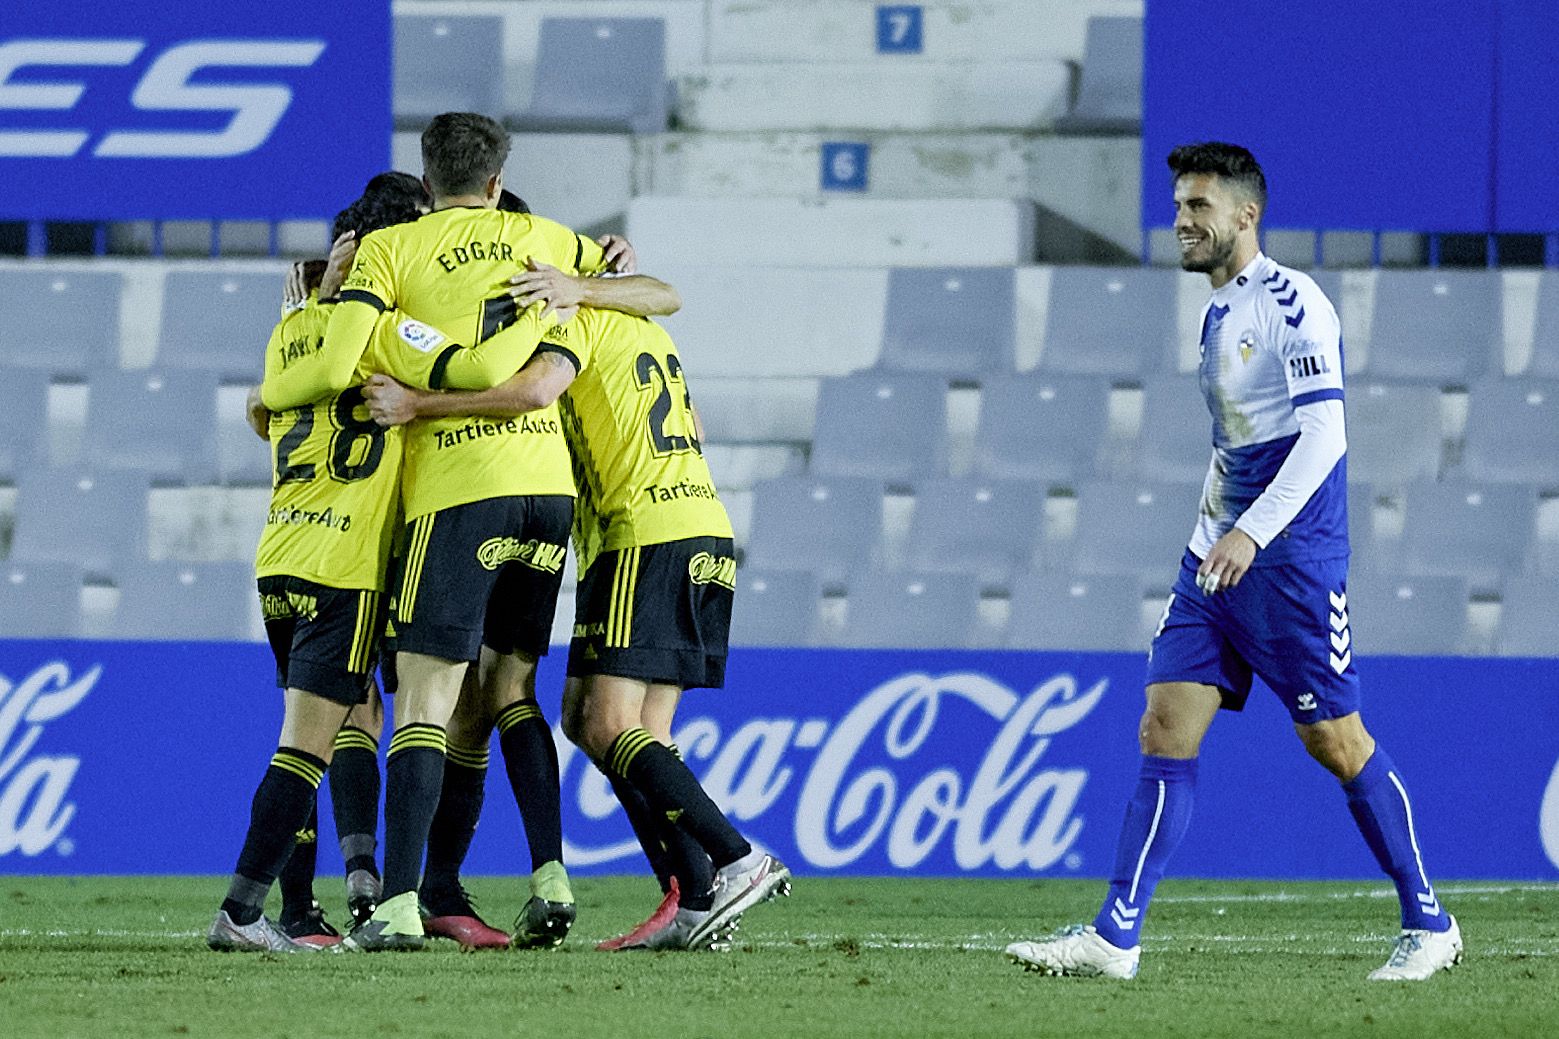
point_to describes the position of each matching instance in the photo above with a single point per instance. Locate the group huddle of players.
(456, 392)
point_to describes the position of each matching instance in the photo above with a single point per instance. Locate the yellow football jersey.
(450, 269)
(628, 417)
(335, 472)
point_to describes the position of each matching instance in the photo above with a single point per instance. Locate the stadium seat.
(911, 610)
(1436, 326)
(987, 528)
(1529, 618)
(1116, 321)
(748, 410)
(822, 525)
(1393, 432)
(1109, 96)
(161, 422)
(192, 601)
(775, 608)
(955, 321)
(1042, 427)
(1476, 531)
(1066, 612)
(1391, 615)
(890, 427)
(93, 520)
(219, 321)
(1545, 341)
(65, 322)
(1134, 528)
(1176, 440)
(1513, 432)
(599, 74)
(24, 415)
(40, 600)
(447, 63)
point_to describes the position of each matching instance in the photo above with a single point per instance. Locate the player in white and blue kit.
(1262, 588)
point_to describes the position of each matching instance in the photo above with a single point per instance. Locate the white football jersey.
(1270, 343)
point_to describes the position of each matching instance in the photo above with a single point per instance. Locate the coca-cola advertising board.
(142, 758)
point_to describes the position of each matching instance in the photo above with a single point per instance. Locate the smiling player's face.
(1209, 217)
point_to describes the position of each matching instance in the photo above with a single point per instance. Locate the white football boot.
(1421, 954)
(1078, 951)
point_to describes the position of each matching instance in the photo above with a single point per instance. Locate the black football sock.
(695, 873)
(671, 788)
(531, 760)
(413, 779)
(354, 797)
(454, 824)
(647, 827)
(279, 810)
(297, 877)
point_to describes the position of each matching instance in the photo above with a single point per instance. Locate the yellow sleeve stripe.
(353, 737)
(307, 771)
(416, 554)
(467, 757)
(516, 713)
(626, 747)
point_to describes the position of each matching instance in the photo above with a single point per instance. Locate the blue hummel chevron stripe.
(1292, 297)
(1293, 322)
(1274, 277)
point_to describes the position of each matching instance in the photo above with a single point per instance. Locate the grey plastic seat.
(1073, 612)
(40, 600)
(1410, 616)
(988, 528)
(1115, 321)
(775, 608)
(1134, 528)
(1545, 341)
(1529, 618)
(599, 75)
(162, 422)
(911, 609)
(951, 320)
(1513, 432)
(1176, 440)
(1436, 326)
(219, 321)
(1393, 432)
(1042, 427)
(24, 408)
(891, 427)
(447, 63)
(1109, 97)
(61, 321)
(1476, 531)
(94, 520)
(827, 526)
(186, 601)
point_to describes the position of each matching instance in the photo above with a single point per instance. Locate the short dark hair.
(461, 150)
(1229, 161)
(395, 184)
(376, 209)
(509, 202)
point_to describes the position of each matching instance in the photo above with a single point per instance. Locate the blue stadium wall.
(121, 757)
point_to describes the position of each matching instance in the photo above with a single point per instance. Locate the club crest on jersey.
(1247, 345)
(420, 337)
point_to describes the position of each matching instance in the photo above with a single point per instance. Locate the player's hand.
(1227, 562)
(545, 284)
(257, 414)
(294, 292)
(620, 256)
(342, 252)
(390, 403)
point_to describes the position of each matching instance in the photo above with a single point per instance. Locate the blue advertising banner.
(142, 758)
(239, 110)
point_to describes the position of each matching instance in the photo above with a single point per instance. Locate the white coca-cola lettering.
(34, 811)
(1011, 812)
(1548, 818)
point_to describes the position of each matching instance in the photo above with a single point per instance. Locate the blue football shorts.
(1288, 624)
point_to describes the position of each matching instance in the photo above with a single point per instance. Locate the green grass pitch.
(123, 957)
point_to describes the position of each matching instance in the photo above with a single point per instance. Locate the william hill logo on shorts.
(538, 555)
(707, 569)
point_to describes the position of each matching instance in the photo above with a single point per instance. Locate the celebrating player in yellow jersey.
(654, 601)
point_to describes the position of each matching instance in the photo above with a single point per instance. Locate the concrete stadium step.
(1086, 186)
(876, 96)
(854, 232)
(950, 30)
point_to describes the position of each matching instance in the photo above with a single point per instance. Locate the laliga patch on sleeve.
(418, 336)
